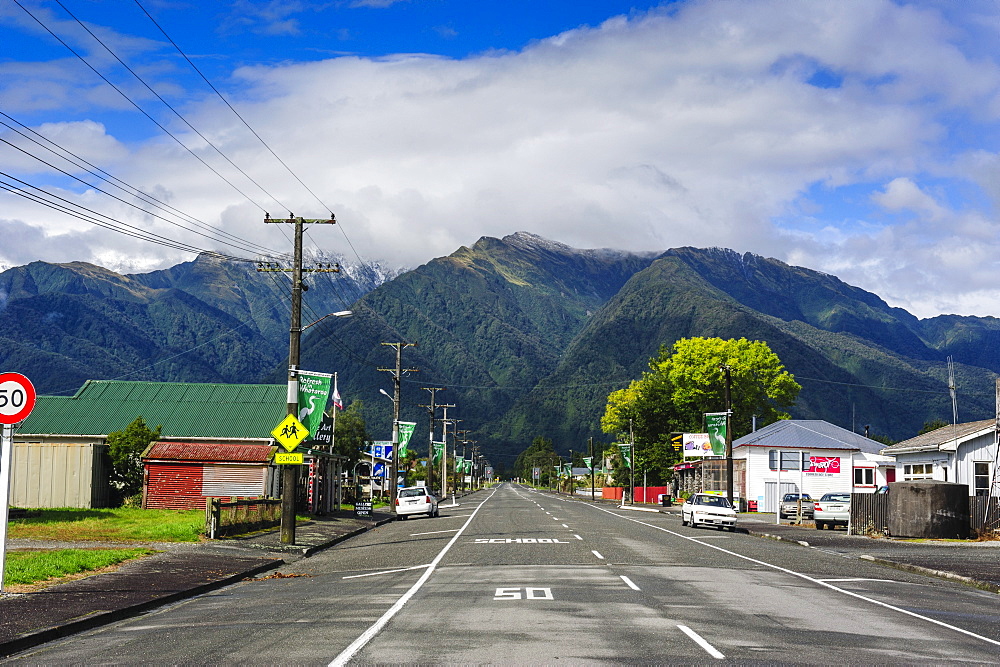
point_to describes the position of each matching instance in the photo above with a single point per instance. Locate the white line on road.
(806, 577)
(377, 626)
(433, 532)
(375, 574)
(629, 583)
(701, 642)
(565, 526)
(578, 537)
(597, 554)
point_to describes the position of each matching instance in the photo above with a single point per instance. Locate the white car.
(415, 500)
(705, 509)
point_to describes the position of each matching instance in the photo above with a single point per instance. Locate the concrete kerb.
(89, 622)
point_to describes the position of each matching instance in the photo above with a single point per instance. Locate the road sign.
(290, 432)
(17, 398)
(288, 458)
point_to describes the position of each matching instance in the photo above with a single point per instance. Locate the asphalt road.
(515, 576)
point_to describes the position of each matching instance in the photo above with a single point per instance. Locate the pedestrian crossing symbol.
(290, 432)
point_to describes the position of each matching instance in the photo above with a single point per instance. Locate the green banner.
(626, 452)
(588, 461)
(405, 433)
(314, 392)
(715, 423)
(459, 465)
(438, 452)
(468, 467)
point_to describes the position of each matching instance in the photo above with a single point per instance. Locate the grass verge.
(111, 525)
(31, 567)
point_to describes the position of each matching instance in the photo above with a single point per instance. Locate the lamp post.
(394, 471)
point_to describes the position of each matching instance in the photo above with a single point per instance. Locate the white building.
(809, 456)
(962, 453)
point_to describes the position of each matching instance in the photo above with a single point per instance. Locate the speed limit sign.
(17, 398)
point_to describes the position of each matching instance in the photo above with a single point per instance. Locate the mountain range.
(526, 336)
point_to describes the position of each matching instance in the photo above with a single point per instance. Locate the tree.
(540, 454)
(933, 426)
(350, 435)
(125, 449)
(686, 380)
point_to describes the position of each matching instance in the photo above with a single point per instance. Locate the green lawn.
(111, 525)
(29, 567)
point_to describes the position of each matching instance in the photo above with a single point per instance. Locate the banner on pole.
(626, 452)
(588, 461)
(438, 451)
(715, 424)
(314, 392)
(405, 430)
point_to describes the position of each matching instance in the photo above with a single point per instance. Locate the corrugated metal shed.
(208, 453)
(185, 410)
(808, 434)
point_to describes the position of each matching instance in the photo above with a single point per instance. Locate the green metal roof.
(183, 409)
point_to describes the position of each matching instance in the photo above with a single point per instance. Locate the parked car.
(705, 509)
(832, 509)
(790, 506)
(415, 500)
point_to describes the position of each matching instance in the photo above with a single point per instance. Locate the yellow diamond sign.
(290, 432)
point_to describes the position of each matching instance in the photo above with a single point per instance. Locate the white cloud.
(696, 125)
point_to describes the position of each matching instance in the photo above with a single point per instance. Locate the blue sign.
(381, 450)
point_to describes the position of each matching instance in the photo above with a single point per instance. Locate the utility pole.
(444, 449)
(727, 371)
(590, 449)
(289, 473)
(397, 373)
(431, 410)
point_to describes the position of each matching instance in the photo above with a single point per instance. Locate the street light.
(394, 468)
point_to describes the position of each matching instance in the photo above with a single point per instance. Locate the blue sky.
(856, 138)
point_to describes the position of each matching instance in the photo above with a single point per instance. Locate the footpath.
(176, 572)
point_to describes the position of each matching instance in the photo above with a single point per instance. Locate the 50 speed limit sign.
(17, 398)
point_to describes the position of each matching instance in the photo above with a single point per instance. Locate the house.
(808, 456)
(961, 453)
(60, 450)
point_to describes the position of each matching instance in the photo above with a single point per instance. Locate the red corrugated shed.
(180, 475)
(209, 453)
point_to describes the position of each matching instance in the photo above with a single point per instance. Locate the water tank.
(930, 509)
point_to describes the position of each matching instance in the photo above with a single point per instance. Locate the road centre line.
(701, 642)
(629, 583)
(578, 537)
(433, 532)
(805, 576)
(597, 554)
(375, 574)
(565, 526)
(369, 634)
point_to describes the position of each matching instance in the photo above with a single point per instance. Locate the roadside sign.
(289, 458)
(363, 508)
(17, 398)
(290, 432)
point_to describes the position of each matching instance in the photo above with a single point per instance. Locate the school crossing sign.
(290, 432)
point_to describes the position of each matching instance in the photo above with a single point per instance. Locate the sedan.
(833, 509)
(790, 506)
(705, 509)
(415, 500)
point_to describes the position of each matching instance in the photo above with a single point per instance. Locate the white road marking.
(578, 537)
(701, 642)
(629, 583)
(375, 574)
(887, 581)
(806, 577)
(565, 526)
(377, 626)
(597, 554)
(433, 532)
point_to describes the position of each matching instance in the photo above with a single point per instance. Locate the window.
(864, 477)
(981, 478)
(912, 471)
(789, 460)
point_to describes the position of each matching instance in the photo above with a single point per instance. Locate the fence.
(236, 516)
(870, 514)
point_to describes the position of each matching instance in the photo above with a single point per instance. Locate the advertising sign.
(697, 445)
(314, 392)
(823, 466)
(405, 433)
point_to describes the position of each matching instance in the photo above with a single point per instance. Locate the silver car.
(706, 509)
(790, 506)
(415, 500)
(832, 509)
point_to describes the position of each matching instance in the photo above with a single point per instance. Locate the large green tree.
(350, 434)
(125, 449)
(540, 454)
(686, 380)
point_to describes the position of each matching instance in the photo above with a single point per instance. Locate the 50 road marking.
(529, 594)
